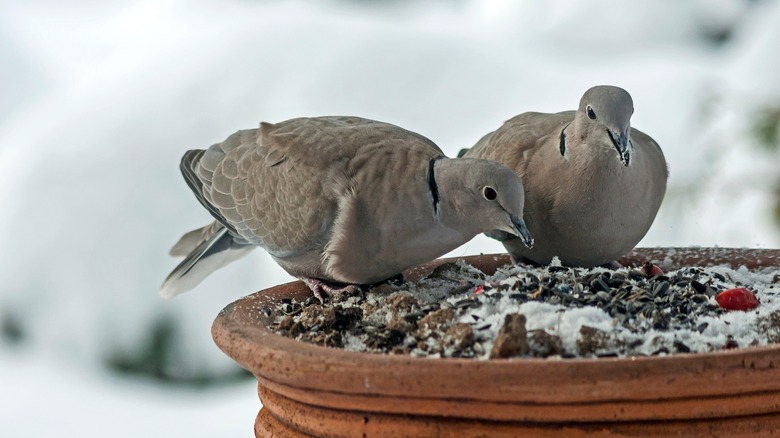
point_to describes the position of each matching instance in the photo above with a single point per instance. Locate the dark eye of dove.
(591, 113)
(489, 193)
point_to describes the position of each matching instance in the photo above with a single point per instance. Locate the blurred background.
(99, 100)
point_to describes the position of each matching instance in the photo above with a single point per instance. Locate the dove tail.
(212, 253)
(188, 242)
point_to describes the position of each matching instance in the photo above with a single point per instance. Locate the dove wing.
(521, 137)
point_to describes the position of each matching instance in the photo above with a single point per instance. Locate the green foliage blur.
(766, 131)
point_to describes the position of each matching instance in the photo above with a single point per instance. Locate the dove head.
(605, 113)
(482, 195)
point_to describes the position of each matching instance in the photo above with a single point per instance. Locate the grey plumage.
(339, 200)
(593, 184)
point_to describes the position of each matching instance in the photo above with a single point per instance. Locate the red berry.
(730, 344)
(738, 298)
(651, 270)
(479, 289)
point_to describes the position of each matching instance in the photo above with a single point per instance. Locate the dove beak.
(521, 230)
(622, 143)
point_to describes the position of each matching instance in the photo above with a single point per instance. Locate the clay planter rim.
(342, 379)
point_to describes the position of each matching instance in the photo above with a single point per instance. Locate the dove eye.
(591, 113)
(489, 193)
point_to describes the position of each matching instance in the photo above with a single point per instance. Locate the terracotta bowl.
(313, 390)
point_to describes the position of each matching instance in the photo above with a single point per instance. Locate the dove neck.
(454, 180)
(577, 130)
(588, 148)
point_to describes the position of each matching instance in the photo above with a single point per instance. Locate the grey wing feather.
(298, 138)
(520, 136)
(189, 168)
(313, 164)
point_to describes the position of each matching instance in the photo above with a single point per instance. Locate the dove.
(339, 201)
(593, 184)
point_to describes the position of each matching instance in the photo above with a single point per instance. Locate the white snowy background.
(99, 99)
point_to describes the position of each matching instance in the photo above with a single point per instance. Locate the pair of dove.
(342, 201)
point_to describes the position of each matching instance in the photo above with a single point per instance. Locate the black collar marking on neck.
(432, 185)
(563, 140)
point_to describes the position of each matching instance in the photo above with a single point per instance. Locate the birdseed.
(552, 311)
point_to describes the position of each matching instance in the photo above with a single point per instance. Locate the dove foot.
(322, 289)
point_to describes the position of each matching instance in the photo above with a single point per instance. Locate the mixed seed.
(458, 311)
